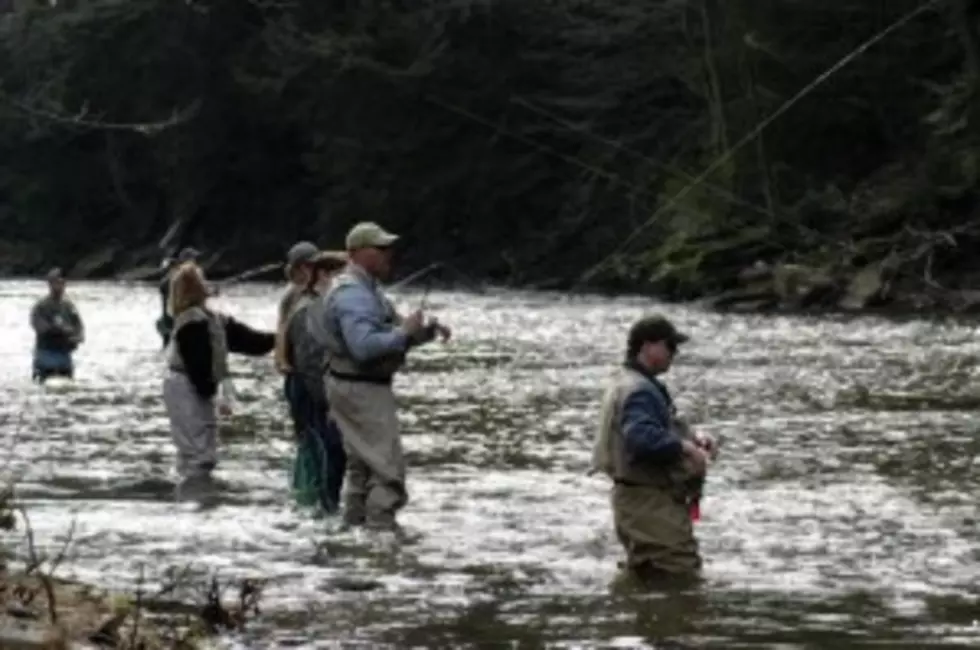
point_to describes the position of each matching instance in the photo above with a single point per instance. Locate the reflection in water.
(842, 511)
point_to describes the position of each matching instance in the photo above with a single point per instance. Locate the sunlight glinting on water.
(836, 510)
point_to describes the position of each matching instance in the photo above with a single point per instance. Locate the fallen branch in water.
(73, 612)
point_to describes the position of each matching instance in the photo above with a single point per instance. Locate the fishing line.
(759, 128)
(619, 146)
(249, 274)
(543, 148)
(671, 169)
(754, 133)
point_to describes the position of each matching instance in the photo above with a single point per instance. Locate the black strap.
(660, 482)
(381, 381)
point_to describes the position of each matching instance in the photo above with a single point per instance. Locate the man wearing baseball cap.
(653, 461)
(367, 342)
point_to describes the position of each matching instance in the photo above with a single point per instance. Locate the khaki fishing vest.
(327, 330)
(219, 342)
(609, 453)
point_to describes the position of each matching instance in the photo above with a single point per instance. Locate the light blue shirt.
(362, 318)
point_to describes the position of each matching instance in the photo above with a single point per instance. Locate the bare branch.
(36, 561)
(80, 120)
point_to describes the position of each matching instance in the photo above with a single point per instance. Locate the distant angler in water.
(197, 366)
(58, 329)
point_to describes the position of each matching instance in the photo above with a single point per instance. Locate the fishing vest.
(305, 354)
(609, 454)
(293, 347)
(219, 342)
(324, 324)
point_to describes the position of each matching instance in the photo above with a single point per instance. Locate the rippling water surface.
(842, 512)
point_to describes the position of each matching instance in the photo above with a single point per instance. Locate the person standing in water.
(318, 473)
(299, 271)
(367, 342)
(165, 323)
(197, 366)
(58, 331)
(656, 464)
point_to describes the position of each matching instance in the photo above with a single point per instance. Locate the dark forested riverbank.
(557, 144)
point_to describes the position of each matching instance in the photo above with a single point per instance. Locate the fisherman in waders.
(655, 463)
(58, 331)
(318, 472)
(165, 323)
(197, 365)
(367, 342)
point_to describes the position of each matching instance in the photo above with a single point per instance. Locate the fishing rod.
(412, 277)
(272, 266)
(250, 273)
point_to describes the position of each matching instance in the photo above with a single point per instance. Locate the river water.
(841, 512)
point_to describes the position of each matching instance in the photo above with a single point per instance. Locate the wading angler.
(58, 331)
(197, 366)
(656, 463)
(367, 342)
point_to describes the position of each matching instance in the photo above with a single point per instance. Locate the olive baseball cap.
(368, 234)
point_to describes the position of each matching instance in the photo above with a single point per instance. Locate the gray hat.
(368, 234)
(54, 274)
(301, 253)
(188, 254)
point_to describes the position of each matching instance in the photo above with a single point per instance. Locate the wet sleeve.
(76, 321)
(645, 423)
(242, 339)
(40, 323)
(194, 345)
(366, 335)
